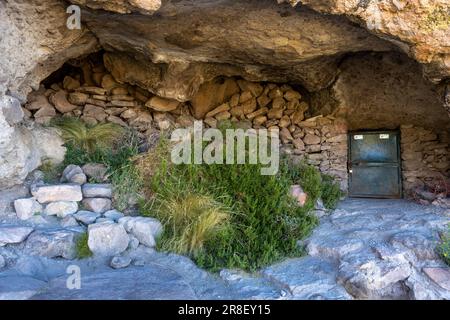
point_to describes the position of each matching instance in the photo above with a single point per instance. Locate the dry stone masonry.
(95, 96)
(425, 164)
(79, 208)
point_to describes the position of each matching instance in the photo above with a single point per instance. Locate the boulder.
(298, 193)
(73, 174)
(92, 90)
(441, 276)
(59, 100)
(103, 219)
(52, 243)
(119, 262)
(311, 139)
(146, 230)
(70, 83)
(292, 95)
(91, 190)
(134, 243)
(61, 208)
(69, 221)
(109, 83)
(162, 104)
(62, 192)
(254, 88)
(212, 94)
(113, 215)
(442, 202)
(95, 112)
(21, 149)
(38, 102)
(78, 98)
(98, 205)
(26, 208)
(107, 238)
(421, 244)
(86, 217)
(13, 234)
(117, 120)
(367, 277)
(120, 103)
(95, 171)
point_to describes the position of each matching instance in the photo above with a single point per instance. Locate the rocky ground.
(374, 249)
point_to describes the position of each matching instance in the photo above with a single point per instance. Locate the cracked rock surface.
(366, 249)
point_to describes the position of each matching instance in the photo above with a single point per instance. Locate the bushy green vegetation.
(105, 143)
(223, 216)
(82, 248)
(331, 192)
(51, 171)
(257, 221)
(444, 247)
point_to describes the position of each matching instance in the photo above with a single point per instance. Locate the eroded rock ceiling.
(174, 46)
(192, 42)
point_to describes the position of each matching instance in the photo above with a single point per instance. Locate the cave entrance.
(374, 164)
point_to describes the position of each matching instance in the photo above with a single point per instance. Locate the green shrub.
(316, 185)
(264, 222)
(331, 192)
(444, 247)
(309, 179)
(82, 248)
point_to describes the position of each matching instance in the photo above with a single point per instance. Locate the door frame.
(399, 157)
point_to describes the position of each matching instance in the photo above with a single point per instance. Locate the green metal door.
(374, 164)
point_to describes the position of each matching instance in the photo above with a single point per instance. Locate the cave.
(379, 128)
(357, 92)
(348, 79)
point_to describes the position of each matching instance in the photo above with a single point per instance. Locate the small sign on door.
(358, 137)
(384, 136)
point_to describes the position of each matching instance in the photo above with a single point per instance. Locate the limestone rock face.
(13, 234)
(188, 43)
(52, 243)
(420, 28)
(22, 150)
(35, 42)
(377, 101)
(212, 94)
(122, 6)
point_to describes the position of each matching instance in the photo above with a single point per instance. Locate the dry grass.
(190, 220)
(88, 138)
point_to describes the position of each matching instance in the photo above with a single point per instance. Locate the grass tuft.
(190, 220)
(88, 138)
(82, 248)
(444, 247)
